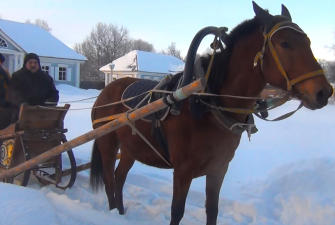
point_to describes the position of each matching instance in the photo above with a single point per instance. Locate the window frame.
(64, 73)
(3, 43)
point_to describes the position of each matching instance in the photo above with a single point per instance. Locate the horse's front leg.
(213, 186)
(181, 185)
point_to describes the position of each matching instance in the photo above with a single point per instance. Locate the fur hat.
(31, 56)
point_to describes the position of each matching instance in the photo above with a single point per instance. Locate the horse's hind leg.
(109, 146)
(213, 186)
(126, 162)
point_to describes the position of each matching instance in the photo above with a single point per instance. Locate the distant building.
(141, 64)
(61, 62)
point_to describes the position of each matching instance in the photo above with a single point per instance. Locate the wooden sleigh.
(37, 130)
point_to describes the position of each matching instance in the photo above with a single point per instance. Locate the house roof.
(32, 38)
(145, 61)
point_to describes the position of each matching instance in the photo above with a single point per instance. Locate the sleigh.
(37, 130)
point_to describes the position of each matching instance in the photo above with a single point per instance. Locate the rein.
(267, 42)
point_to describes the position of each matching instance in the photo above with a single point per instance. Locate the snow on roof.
(106, 68)
(145, 61)
(32, 38)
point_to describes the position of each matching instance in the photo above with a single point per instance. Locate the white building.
(141, 64)
(61, 62)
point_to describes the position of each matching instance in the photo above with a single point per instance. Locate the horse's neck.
(243, 79)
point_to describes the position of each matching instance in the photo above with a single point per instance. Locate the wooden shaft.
(124, 118)
(83, 167)
(78, 169)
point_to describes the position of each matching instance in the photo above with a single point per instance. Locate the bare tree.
(105, 43)
(172, 50)
(329, 68)
(41, 23)
(139, 44)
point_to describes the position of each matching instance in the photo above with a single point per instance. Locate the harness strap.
(307, 76)
(279, 65)
(106, 119)
(274, 103)
(267, 40)
(286, 115)
(134, 129)
(209, 69)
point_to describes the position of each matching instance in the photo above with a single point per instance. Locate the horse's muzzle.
(323, 95)
(320, 99)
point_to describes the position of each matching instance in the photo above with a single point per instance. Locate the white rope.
(218, 95)
(166, 92)
(100, 106)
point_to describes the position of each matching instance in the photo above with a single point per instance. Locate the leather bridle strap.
(267, 41)
(307, 76)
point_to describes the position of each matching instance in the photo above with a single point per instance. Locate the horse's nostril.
(322, 97)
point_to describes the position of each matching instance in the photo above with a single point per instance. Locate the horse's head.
(287, 61)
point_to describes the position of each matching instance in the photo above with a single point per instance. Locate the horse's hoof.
(112, 206)
(121, 211)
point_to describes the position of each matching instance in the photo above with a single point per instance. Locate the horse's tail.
(96, 179)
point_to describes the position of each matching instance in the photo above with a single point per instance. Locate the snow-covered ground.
(285, 175)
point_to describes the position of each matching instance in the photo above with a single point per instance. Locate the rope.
(218, 95)
(79, 100)
(101, 106)
(286, 115)
(165, 92)
(134, 129)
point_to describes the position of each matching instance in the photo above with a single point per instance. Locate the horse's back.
(110, 94)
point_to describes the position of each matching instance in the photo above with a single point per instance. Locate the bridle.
(267, 42)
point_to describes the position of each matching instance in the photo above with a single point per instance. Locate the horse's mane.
(220, 67)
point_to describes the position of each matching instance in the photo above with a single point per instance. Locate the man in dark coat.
(4, 81)
(6, 111)
(31, 85)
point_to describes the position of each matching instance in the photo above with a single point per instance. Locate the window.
(46, 69)
(62, 73)
(3, 43)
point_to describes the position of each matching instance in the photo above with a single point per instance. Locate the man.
(31, 85)
(4, 81)
(6, 111)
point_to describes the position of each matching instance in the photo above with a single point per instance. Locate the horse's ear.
(285, 12)
(259, 12)
(263, 15)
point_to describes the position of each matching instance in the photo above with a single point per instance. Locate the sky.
(162, 22)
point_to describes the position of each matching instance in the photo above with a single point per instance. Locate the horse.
(267, 49)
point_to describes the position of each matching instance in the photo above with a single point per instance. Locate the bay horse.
(266, 49)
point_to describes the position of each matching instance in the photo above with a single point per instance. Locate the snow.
(137, 60)
(283, 176)
(32, 38)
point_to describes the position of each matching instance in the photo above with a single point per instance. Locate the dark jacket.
(33, 88)
(4, 81)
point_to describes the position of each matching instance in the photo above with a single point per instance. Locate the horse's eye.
(285, 44)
